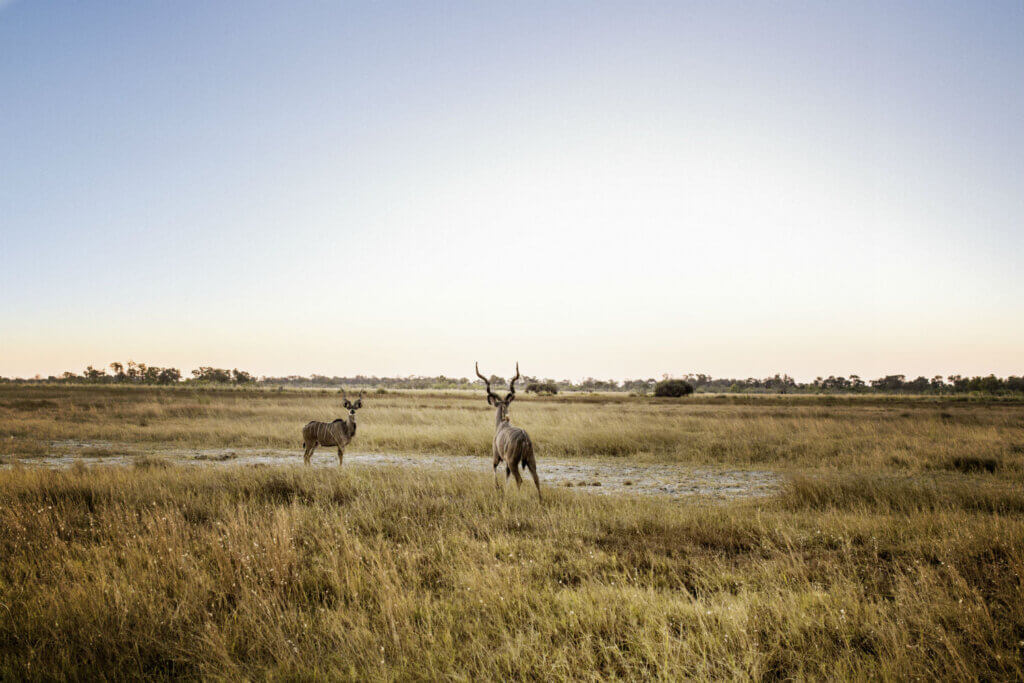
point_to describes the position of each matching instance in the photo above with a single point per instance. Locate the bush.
(542, 388)
(673, 387)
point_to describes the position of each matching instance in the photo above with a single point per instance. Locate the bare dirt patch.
(592, 475)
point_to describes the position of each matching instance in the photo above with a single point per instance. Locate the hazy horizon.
(186, 374)
(616, 190)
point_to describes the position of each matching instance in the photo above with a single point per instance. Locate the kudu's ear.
(347, 404)
(358, 403)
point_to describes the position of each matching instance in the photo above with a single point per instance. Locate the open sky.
(616, 189)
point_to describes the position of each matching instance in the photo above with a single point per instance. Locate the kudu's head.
(493, 399)
(352, 407)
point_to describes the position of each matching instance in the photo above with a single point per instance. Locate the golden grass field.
(895, 549)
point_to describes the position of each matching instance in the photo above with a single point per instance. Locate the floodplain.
(168, 532)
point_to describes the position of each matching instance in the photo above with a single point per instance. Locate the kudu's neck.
(351, 424)
(500, 417)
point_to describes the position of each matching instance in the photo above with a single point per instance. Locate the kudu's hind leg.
(532, 464)
(515, 471)
(309, 452)
(494, 466)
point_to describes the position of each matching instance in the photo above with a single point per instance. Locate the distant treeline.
(890, 384)
(140, 373)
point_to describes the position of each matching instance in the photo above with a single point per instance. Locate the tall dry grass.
(896, 550)
(364, 574)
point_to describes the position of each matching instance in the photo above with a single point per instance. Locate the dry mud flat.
(592, 476)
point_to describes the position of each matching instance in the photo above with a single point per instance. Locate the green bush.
(673, 388)
(542, 388)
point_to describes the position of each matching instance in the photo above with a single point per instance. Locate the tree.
(782, 384)
(919, 385)
(990, 384)
(206, 373)
(150, 374)
(638, 386)
(890, 383)
(241, 377)
(135, 372)
(168, 376)
(118, 371)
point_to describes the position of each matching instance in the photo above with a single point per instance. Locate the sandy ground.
(590, 475)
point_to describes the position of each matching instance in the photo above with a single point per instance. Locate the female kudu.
(337, 433)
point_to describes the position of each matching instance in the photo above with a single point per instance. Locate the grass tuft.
(970, 465)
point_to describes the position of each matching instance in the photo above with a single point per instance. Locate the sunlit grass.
(371, 574)
(896, 549)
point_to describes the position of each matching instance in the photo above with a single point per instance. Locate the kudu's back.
(326, 434)
(514, 445)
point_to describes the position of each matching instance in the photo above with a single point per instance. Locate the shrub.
(542, 388)
(673, 387)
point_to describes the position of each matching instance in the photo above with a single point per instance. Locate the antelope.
(337, 433)
(511, 445)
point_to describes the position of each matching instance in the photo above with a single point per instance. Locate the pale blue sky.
(610, 189)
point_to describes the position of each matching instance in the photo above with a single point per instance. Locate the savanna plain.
(892, 548)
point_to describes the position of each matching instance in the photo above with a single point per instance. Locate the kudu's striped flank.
(511, 445)
(337, 433)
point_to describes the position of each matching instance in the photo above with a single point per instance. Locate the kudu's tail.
(525, 454)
